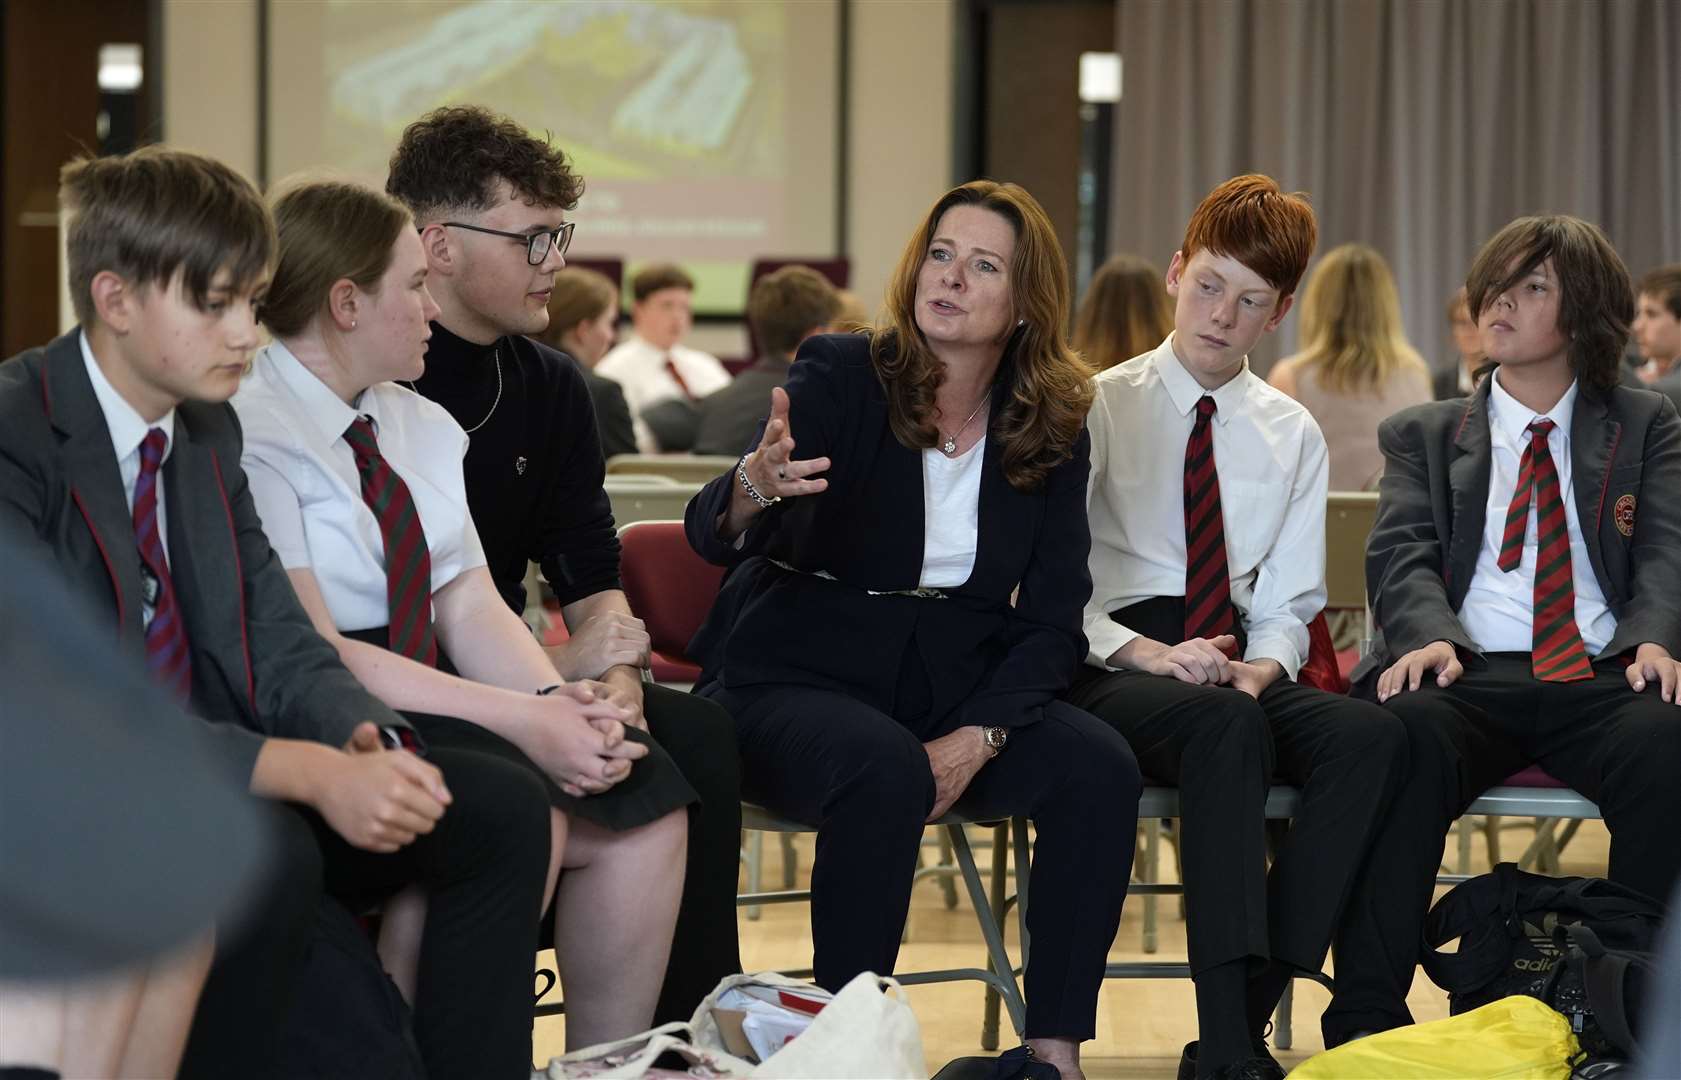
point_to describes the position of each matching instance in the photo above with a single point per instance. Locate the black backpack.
(1582, 946)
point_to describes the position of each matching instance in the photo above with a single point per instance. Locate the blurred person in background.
(1355, 367)
(583, 321)
(1459, 379)
(1126, 312)
(853, 315)
(1657, 331)
(663, 378)
(785, 307)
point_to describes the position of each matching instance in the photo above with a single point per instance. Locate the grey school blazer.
(1625, 450)
(259, 667)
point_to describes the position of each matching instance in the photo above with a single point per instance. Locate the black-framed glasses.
(537, 245)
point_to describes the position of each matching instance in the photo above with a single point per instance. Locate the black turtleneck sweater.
(534, 469)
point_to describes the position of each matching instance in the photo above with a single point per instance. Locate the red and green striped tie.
(1559, 655)
(1208, 582)
(408, 564)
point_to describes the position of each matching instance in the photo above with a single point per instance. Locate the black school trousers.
(483, 867)
(1614, 746)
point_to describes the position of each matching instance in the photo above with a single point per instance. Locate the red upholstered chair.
(671, 589)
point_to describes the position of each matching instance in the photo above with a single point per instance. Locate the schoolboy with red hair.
(1207, 509)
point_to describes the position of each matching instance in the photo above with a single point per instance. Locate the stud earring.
(353, 324)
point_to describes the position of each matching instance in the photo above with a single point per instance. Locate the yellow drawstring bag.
(1516, 1037)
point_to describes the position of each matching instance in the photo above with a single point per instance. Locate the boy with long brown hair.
(1523, 571)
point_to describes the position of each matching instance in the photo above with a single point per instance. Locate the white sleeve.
(1103, 634)
(1290, 581)
(278, 506)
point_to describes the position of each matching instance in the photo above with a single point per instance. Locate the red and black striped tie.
(168, 656)
(1559, 655)
(408, 564)
(1208, 584)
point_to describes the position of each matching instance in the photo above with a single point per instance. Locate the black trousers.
(862, 779)
(1223, 749)
(700, 738)
(1619, 748)
(483, 868)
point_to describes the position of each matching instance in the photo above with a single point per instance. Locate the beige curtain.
(1418, 126)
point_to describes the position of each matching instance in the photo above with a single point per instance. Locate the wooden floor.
(1141, 1024)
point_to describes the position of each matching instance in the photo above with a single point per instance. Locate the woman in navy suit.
(865, 640)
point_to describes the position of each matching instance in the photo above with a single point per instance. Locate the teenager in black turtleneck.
(535, 471)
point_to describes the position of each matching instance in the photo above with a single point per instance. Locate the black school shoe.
(1260, 1067)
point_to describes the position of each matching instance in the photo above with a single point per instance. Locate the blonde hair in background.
(1126, 311)
(1351, 323)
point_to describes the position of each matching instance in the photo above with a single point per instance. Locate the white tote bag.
(866, 1031)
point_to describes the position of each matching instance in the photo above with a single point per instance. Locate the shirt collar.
(1184, 390)
(1511, 418)
(327, 414)
(128, 428)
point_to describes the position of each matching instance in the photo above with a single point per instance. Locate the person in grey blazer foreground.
(1524, 572)
(167, 253)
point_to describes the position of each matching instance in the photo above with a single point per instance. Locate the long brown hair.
(1126, 311)
(1047, 386)
(328, 230)
(1597, 301)
(1351, 323)
(579, 295)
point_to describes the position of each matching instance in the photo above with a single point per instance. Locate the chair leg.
(989, 1012)
(947, 886)
(1464, 828)
(1282, 1036)
(755, 864)
(998, 956)
(1149, 873)
(790, 861)
(1491, 835)
(1024, 863)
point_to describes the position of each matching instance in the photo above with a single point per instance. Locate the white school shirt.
(639, 368)
(1499, 608)
(1274, 475)
(304, 481)
(951, 498)
(128, 430)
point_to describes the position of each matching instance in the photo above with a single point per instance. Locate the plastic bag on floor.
(865, 1031)
(1515, 1038)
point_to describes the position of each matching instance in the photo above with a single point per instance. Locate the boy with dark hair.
(785, 307)
(663, 378)
(119, 464)
(490, 199)
(1524, 571)
(1657, 330)
(1207, 508)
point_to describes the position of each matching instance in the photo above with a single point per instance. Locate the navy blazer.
(258, 664)
(987, 662)
(1625, 451)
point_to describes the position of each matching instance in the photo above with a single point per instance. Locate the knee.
(1226, 724)
(1103, 774)
(497, 804)
(893, 781)
(1375, 733)
(700, 737)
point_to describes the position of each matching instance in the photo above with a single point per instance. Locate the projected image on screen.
(704, 131)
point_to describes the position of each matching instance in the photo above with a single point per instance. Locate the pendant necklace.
(949, 447)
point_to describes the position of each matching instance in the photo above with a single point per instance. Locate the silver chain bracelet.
(747, 485)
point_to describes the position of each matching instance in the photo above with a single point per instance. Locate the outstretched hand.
(772, 466)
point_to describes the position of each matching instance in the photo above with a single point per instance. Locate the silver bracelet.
(747, 485)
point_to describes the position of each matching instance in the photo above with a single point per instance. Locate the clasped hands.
(1200, 661)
